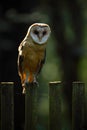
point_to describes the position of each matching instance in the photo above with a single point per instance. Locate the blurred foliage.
(66, 58)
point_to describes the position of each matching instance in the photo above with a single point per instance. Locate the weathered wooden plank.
(78, 106)
(55, 106)
(31, 108)
(7, 105)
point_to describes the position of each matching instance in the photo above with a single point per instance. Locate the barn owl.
(32, 53)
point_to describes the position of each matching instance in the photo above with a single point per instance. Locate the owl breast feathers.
(32, 53)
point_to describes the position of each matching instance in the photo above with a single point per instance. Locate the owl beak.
(40, 36)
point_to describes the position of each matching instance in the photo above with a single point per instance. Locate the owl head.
(39, 32)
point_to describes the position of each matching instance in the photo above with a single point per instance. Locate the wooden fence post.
(31, 108)
(55, 106)
(78, 106)
(7, 105)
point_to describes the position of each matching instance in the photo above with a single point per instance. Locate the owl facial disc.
(39, 33)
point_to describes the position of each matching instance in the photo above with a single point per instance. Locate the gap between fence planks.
(7, 105)
(78, 106)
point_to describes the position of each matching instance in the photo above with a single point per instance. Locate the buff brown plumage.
(32, 53)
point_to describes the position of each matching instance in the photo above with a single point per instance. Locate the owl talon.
(24, 90)
(27, 84)
(36, 83)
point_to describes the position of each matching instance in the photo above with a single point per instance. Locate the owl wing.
(20, 61)
(42, 63)
(20, 58)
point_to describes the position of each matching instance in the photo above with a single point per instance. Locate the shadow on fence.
(31, 102)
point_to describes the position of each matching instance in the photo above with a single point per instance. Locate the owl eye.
(36, 32)
(44, 32)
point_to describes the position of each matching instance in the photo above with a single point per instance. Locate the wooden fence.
(31, 103)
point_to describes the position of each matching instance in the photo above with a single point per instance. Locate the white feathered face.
(39, 32)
